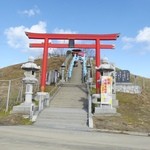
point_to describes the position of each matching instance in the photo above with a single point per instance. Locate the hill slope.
(134, 112)
(15, 71)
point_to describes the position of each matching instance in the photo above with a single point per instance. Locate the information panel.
(122, 76)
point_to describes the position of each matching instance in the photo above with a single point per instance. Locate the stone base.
(115, 103)
(43, 98)
(26, 109)
(62, 81)
(105, 110)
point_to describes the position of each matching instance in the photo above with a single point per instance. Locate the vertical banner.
(106, 90)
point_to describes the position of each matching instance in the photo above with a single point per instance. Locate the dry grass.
(15, 71)
(134, 110)
(13, 119)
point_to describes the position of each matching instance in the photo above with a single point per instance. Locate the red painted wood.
(96, 37)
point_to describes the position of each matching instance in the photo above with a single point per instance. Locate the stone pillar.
(63, 72)
(28, 93)
(88, 71)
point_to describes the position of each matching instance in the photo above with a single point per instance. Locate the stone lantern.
(30, 69)
(27, 107)
(88, 71)
(107, 87)
(89, 78)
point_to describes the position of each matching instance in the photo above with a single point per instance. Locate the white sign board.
(106, 90)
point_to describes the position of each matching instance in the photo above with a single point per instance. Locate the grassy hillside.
(15, 71)
(11, 73)
(134, 111)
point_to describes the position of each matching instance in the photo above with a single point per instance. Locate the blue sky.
(130, 18)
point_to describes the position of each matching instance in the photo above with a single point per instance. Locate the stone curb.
(121, 132)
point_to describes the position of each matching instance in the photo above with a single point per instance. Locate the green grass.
(3, 114)
(25, 121)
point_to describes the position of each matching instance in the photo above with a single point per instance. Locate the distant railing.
(90, 119)
(70, 69)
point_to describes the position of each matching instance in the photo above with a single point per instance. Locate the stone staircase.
(68, 109)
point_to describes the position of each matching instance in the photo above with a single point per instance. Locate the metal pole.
(8, 95)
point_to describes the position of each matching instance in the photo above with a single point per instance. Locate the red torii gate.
(46, 37)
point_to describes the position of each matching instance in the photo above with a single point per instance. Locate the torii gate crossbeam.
(46, 37)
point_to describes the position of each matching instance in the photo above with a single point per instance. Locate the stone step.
(64, 115)
(67, 108)
(62, 126)
(64, 121)
(72, 118)
(64, 110)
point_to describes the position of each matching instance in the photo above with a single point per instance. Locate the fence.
(9, 91)
(53, 76)
(12, 92)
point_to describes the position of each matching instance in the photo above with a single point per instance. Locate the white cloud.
(31, 12)
(127, 46)
(39, 28)
(128, 39)
(144, 35)
(65, 31)
(15, 36)
(140, 43)
(17, 39)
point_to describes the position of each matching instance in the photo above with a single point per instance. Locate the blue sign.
(122, 76)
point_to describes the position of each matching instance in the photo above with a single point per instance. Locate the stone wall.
(128, 88)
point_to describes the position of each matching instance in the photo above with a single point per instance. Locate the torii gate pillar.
(44, 65)
(98, 59)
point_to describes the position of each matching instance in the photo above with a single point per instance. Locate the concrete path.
(40, 138)
(68, 109)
